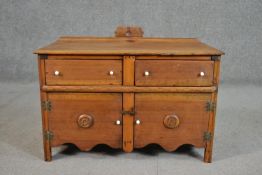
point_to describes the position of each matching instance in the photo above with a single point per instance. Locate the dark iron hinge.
(43, 56)
(207, 136)
(48, 135)
(47, 105)
(131, 112)
(210, 106)
(214, 58)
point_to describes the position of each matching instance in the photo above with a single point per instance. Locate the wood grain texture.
(173, 73)
(43, 97)
(104, 108)
(162, 57)
(129, 31)
(126, 46)
(119, 57)
(85, 57)
(45, 127)
(128, 122)
(127, 89)
(92, 106)
(84, 72)
(153, 108)
(217, 72)
(128, 103)
(129, 70)
(212, 117)
(41, 72)
(211, 126)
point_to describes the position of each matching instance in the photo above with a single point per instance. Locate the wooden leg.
(44, 112)
(46, 141)
(211, 128)
(211, 125)
(208, 152)
(47, 151)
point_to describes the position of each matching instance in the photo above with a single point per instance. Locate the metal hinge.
(46, 105)
(214, 58)
(43, 56)
(48, 135)
(207, 136)
(210, 106)
(131, 112)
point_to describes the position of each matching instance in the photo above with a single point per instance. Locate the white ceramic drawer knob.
(111, 72)
(57, 73)
(146, 73)
(202, 74)
(138, 122)
(118, 122)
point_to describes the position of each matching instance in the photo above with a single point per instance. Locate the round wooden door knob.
(85, 121)
(171, 121)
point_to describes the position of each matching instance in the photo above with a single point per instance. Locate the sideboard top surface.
(81, 45)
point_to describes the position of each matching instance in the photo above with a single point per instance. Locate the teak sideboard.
(128, 91)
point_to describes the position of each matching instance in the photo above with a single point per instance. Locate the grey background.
(234, 27)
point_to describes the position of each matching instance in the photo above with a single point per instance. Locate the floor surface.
(237, 147)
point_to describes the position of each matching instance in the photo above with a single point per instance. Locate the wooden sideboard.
(128, 91)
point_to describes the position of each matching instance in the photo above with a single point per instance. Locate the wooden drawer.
(173, 73)
(86, 119)
(83, 72)
(171, 119)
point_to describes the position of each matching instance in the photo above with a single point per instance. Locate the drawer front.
(171, 119)
(85, 119)
(173, 73)
(83, 72)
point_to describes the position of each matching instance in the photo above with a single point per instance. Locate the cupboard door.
(170, 119)
(86, 119)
